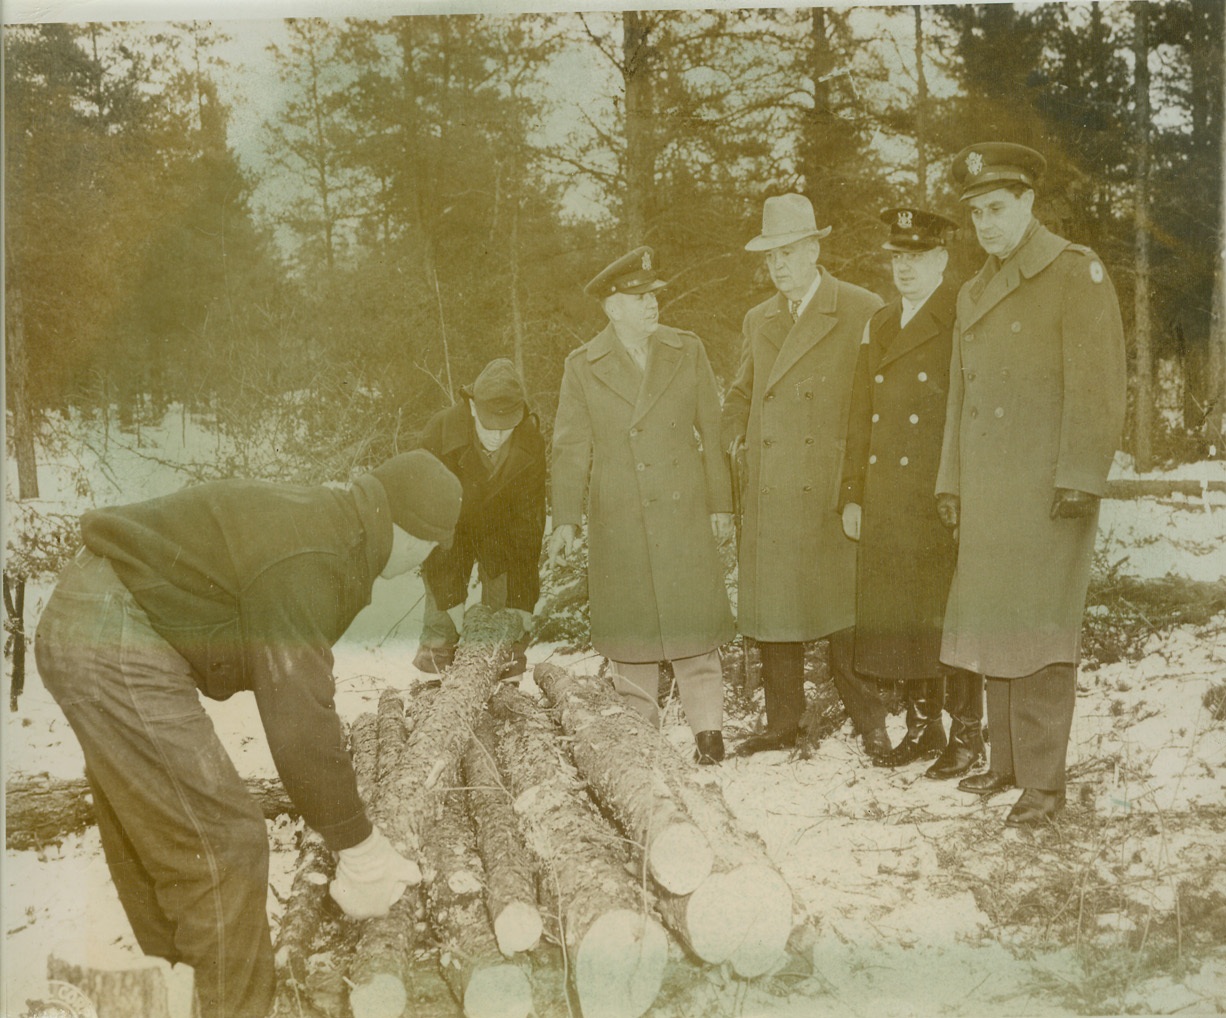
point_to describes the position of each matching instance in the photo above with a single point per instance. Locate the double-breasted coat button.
(809, 440)
(770, 396)
(876, 418)
(968, 336)
(922, 376)
(808, 487)
(872, 459)
(880, 378)
(974, 413)
(903, 462)
(1000, 411)
(768, 442)
(766, 490)
(641, 466)
(970, 376)
(915, 418)
(676, 496)
(1016, 327)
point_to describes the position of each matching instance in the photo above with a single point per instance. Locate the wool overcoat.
(905, 557)
(1036, 402)
(645, 446)
(790, 401)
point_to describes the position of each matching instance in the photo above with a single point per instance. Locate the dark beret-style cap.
(988, 165)
(631, 273)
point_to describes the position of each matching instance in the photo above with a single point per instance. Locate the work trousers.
(438, 629)
(700, 684)
(185, 842)
(1030, 718)
(783, 683)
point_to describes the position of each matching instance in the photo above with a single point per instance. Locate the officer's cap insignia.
(646, 259)
(904, 220)
(1096, 271)
(974, 163)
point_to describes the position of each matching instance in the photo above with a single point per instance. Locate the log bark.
(741, 912)
(616, 950)
(510, 874)
(620, 756)
(116, 993)
(304, 912)
(442, 729)
(1154, 487)
(42, 810)
(485, 983)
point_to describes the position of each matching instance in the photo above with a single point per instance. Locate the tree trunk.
(510, 876)
(921, 113)
(616, 951)
(1125, 488)
(640, 146)
(17, 368)
(622, 757)
(116, 993)
(1216, 411)
(42, 810)
(1143, 371)
(482, 980)
(15, 624)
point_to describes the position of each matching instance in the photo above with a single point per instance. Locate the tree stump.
(117, 993)
(616, 950)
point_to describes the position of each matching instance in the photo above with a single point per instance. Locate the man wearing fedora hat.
(905, 557)
(638, 429)
(492, 442)
(1035, 414)
(789, 407)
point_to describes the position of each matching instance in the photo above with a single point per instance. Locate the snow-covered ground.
(923, 903)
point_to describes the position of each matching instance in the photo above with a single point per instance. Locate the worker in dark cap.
(905, 557)
(221, 587)
(788, 409)
(492, 442)
(1035, 414)
(638, 429)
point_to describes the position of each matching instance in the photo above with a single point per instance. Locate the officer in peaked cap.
(905, 557)
(631, 403)
(978, 169)
(631, 273)
(1035, 414)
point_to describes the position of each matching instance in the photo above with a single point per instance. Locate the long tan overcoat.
(645, 446)
(790, 400)
(1036, 402)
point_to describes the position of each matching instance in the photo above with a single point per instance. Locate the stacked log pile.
(558, 844)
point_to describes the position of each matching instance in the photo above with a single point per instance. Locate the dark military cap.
(631, 273)
(980, 168)
(915, 229)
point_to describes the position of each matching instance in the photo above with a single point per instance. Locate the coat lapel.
(936, 314)
(1038, 250)
(613, 371)
(662, 364)
(811, 328)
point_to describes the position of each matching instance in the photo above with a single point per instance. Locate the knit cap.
(423, 494)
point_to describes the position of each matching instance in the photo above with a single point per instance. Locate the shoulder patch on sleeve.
(1096, 271)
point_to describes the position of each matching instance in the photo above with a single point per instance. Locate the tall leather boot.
(925, 736)
(966, 751)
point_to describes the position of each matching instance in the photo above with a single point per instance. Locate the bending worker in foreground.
(221, 587)
(636, 403)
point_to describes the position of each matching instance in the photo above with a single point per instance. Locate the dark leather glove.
(1070, 504)
(948, 510)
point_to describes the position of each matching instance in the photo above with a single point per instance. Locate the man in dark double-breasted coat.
(789, 405)
(905, 557)
(1035, 414)
(637, 428)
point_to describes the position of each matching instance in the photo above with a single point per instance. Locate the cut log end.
(619, 966)
(517, 928)
(680, 858)
(383, 996)
(743, 917)
(498, 991)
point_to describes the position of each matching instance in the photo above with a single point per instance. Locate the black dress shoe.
(765, 741)
(964, 753)
(434, 660)
(924, 742)
(1034, 807)
(876, 744)
(987, 783)
(710, 747)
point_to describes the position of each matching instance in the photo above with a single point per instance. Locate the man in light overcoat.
(905, 556)
(1035, 414)
(789, 406)
(637, 428)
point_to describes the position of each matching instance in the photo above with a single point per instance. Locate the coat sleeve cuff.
(347, 833)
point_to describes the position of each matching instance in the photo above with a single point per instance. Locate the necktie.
(794, 309)
(639, 355)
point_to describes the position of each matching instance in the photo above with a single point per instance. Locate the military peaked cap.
(631, 273)
(915, 229)
(988, 165)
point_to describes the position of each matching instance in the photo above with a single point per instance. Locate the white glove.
(371, 876)
(851, 520)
